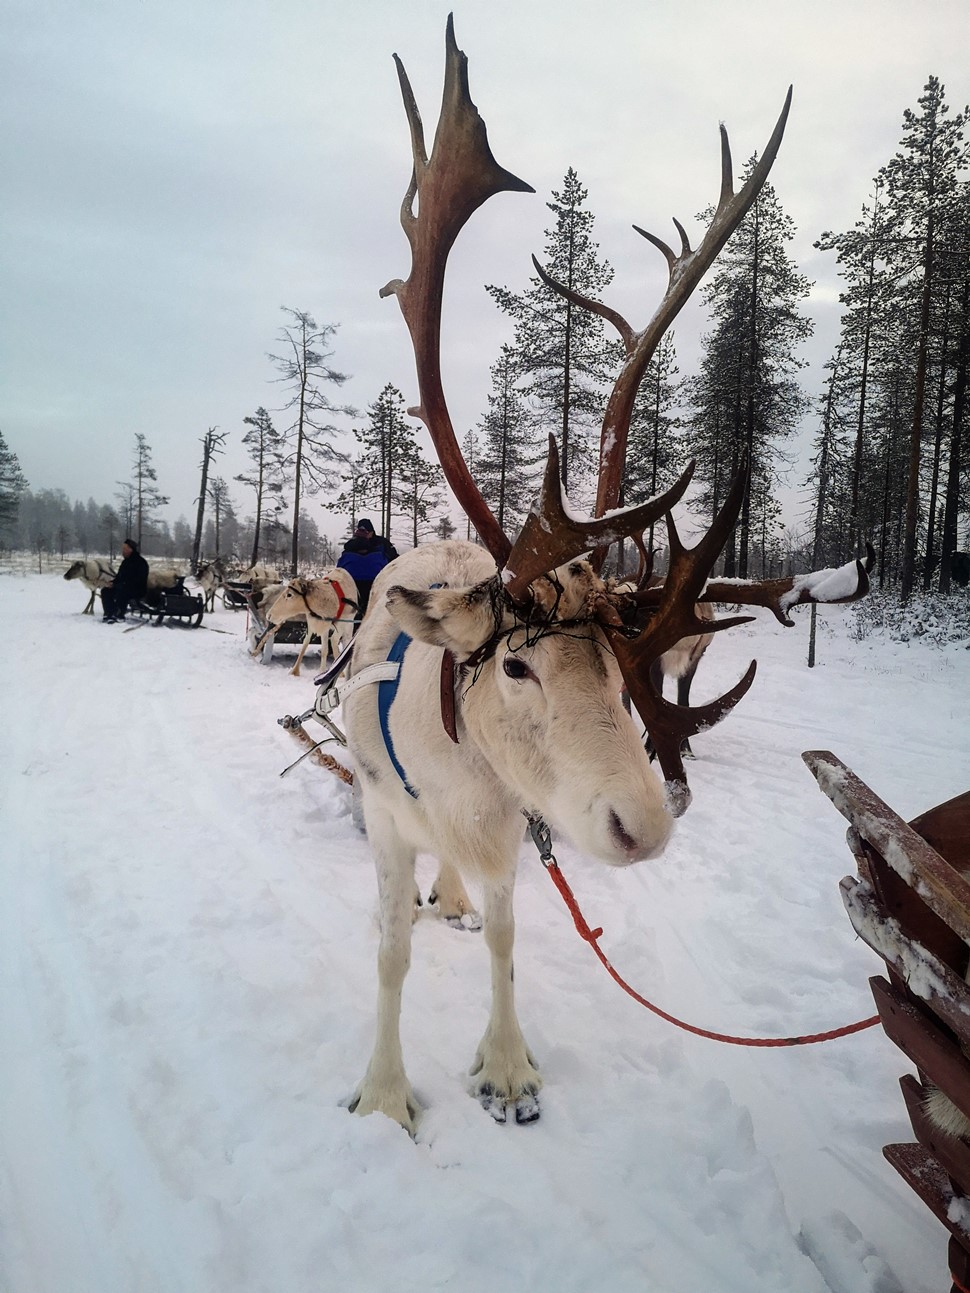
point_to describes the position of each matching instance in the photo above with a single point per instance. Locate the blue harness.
(386, 693)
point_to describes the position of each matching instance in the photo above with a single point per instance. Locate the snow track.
(187, 949)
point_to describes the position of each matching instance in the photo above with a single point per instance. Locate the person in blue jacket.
(364, 556)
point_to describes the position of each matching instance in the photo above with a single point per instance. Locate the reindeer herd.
(487, 682)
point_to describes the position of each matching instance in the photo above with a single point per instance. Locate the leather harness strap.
(447, 687)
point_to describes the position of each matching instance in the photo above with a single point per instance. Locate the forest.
(889, 462)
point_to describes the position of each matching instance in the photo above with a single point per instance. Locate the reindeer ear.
(458, 619)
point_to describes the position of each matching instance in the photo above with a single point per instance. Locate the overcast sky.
(173, 174)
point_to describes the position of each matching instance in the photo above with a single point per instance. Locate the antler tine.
(685, 271)
(645, 562)
(848, 583)
(460, 175)
(675, 618)
(551, 536)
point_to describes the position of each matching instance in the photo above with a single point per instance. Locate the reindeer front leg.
(504, 1069)
(385, 1087)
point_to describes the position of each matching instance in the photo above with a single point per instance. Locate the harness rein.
(386, 674)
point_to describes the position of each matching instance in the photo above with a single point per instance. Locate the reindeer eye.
(516, 668)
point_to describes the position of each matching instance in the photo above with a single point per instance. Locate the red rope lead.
(592, 937)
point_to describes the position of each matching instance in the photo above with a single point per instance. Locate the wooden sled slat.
(952, 1153)
(906, 852)
(924, 1043)
(920, 1170)
(928, 978)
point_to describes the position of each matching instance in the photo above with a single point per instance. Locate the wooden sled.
(911, 905)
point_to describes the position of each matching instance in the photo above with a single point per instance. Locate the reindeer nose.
(622, 837)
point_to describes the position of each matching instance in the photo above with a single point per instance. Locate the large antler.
(686, 269)
(460, 175)
(846, 583)
(551, 535)
(670, 616)
(673, 617)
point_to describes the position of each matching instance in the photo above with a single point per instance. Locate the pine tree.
(13, 482)
(746, 399)
(309, 459)
(379, 476)
(110, 524)
(419, 491)
(654, 450)
(560, 349)
(506, 462)
(867, 296)
(836, 498)
(470, 452)
(357, 494)
(957, 458)
(922, 185)
(223, 514)
(905, 266)
(145, 496)
(212, 444)
(264, 445)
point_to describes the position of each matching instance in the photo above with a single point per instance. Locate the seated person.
(364, 556)
(128, 585)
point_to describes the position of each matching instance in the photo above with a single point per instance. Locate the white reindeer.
(94, 574)
(508, 663)
(212, 576)
(541, 727)
(261, 576)
(329, 605)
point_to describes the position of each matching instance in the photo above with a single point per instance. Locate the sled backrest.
(911, 904)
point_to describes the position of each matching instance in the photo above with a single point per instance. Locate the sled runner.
(171, 604)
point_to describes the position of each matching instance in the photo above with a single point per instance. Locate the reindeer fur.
(94, 574)
(554, 740)
(318, 602)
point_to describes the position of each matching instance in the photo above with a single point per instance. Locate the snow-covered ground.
(188, 941)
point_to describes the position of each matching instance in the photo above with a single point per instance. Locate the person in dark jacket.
(128, 585)
(364, 556)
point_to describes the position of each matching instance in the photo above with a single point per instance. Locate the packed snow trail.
(188, 948)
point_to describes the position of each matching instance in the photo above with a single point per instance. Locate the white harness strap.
(329, 698)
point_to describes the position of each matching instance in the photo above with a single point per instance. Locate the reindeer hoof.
(497, 1106)
(461, 918)
(469, 921)
(527, 1109)
(493, 1104)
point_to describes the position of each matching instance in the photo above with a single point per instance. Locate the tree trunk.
(916, 432)
(951, 506)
